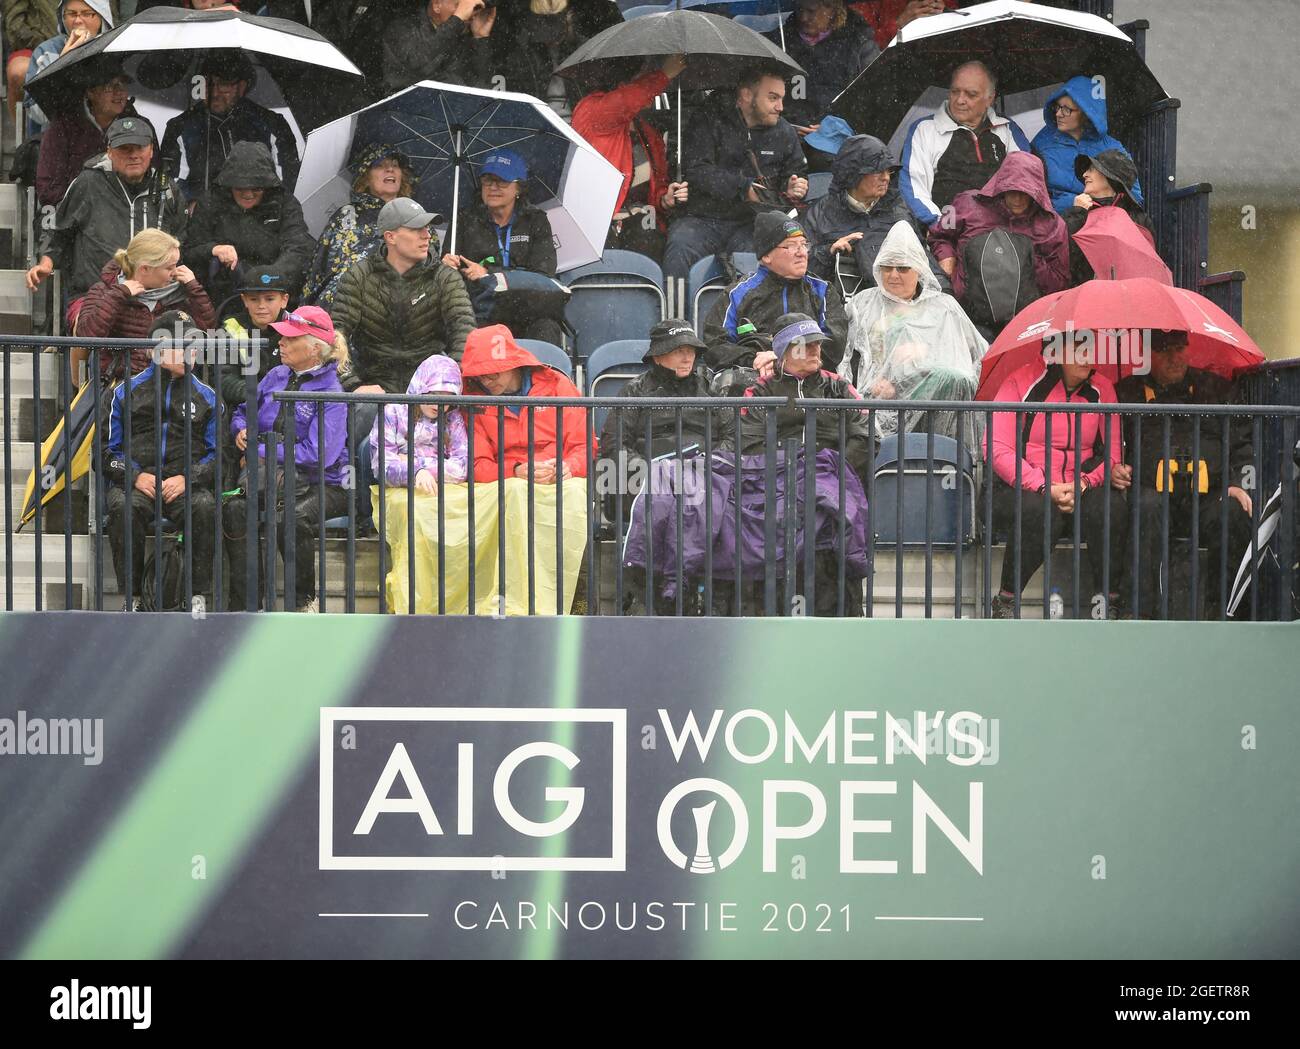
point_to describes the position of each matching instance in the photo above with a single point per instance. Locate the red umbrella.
(1117, 248)
(1117, 316)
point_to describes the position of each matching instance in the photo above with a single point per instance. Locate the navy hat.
(668, 335)
(129, 131)
(506, 165)
(771, 228)
(264, 278)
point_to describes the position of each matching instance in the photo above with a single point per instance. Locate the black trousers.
(201, 537)
(1028, 546)
(633, 236)
(307, 516)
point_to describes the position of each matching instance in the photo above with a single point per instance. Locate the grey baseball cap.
(129, 131)
(404, 212)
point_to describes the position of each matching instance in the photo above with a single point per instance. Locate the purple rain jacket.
(307, 453)
(436, 374)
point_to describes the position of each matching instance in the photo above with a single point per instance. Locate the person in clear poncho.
(908, 340)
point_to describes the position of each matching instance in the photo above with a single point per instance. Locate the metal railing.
(760, 532)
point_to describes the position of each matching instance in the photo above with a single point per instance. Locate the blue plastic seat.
(819, 184)
(619, 297)
(945, 498)
(549, 353)
(610, 368)
(707, 282)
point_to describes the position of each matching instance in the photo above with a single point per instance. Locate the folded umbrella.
(1117, 248)
(55, 468)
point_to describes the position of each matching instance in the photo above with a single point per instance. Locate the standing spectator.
(157, 458)
(739, 155)
(546, 35)
(740, 327)
(833, 45)
(612, 121)
(76, 136)
(1072, 381)
(78, 21)
(1074, 126)
(381, 173)
(144, 279)
(197, 142)
(1109, 180)
(249, 220)
(958, 148)
(115, 197)
(264, 299)
(503, 232)
(449, 42)
(27, 24)
(310, 354)
(887, 17)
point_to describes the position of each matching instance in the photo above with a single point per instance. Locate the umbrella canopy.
(1028, 46)
(448, 131)
(1215, 341)
(1117, 248)
(293, 55)
(80, 421)
(717, 48)
(760, 15)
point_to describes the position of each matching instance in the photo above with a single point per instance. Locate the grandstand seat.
(13, 211)
(610, 368)
(549, 353)
(621, 296)
(944, 499)
(819, 184)
(706, 283)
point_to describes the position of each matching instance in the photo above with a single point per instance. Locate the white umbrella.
(447, 131)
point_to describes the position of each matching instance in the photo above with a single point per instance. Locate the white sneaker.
(311, 606)
(132, 606)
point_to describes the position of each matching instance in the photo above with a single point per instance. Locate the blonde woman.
(143, 280)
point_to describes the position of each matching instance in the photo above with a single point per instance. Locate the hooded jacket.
(763, 297)
(28, 23)
(393, 321)
(491, 350)
(100, 214)
(790, 420)
(832, 217)
(112, 312)
(415, 49)
(609, 119)
(162, 454)
(979, 211)
(1045, 386)
(308, 452)
(720, 154)
(1059, 150)
(197, 143)
(351, 234)
(436, 374)
(45, 53)
(657, 381)
(274, 233)
(71, 140)
(831, 64)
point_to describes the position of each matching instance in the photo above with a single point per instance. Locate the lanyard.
(504, 243)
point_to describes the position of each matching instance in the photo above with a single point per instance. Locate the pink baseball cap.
(307, 320)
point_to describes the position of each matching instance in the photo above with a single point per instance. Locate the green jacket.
(394, 322)
(28, 23)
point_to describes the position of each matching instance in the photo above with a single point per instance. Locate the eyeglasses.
(1064, 110)
(799, 247)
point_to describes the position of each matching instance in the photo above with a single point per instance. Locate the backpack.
(999, 268)
(173, 575)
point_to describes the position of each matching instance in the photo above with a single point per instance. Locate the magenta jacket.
(1044, 386)
(979, 211)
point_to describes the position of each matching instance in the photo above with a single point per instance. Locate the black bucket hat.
(667, 335)
(1115, 164)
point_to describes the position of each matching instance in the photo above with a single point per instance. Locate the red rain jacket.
(605, 119)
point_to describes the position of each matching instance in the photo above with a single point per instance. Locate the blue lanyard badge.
(503, 243)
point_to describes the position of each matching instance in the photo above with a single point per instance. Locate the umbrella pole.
(679, 132)
(780, 23)
(455, 195)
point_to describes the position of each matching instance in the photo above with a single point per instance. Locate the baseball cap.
(307, 320)
(797, 327)
(264, 278)
(667, 335)
(505, 164)
(405, 213)
(129, 131)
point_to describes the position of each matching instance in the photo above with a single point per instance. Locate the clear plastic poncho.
(922, 349)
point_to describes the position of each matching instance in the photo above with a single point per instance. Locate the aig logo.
(473, 789)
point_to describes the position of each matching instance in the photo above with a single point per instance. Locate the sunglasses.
(304, 322)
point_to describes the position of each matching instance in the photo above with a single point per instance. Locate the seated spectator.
(78, 21)
(799, 373)
(187, 402)
(833, 45)
(1015, 200)
(76, 136)
(887, 17)
(503, 232)
(248, 220)
(960, 147)
(1172, 381)
(545, 35)
(264, 299)
(739, 155)
(908, 340)
(310, 354)
(863, 205)
(143, 280)
(1073, 381)
(740, 327)
(1109, 181)
(197, 142)
(448, 42)
(1074, 126)
(27, 24)
(611, 120)
(114, 196)
(381, 173)
(415, 434)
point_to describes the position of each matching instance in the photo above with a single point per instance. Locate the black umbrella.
(1027, 46)
(717, 50)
